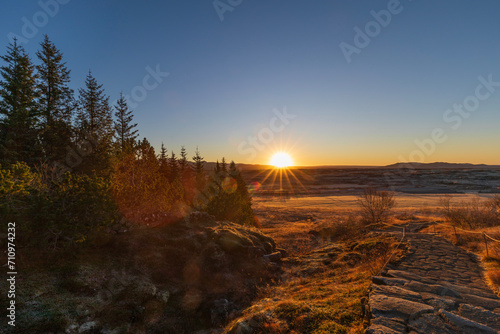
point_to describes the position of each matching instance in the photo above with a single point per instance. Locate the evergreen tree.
(145, 151)
(163, 154)
(183, 163)
(217, 168)
(95, 124)
(241, 188)
(199, 169)
(233, 170)
(19, 117)
(125, 132)
(187, 178)
(229, 197)
(55, 102)
(173, 167)
(223, 165)
(245, 212)
(164, 163)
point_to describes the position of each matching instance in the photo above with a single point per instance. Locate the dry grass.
(332, 258)
(473, 213)
(326, 275)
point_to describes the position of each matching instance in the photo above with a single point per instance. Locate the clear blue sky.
(226, 77)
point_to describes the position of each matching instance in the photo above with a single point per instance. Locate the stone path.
(437, 288)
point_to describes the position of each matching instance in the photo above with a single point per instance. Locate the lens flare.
(229, 185)
(254, 187)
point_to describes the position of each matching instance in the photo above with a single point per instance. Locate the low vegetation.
(474, 213)
(376, 206)
(326, 274)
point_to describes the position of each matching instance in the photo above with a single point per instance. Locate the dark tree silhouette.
(173, 167)
(199, 170)
(56, 101)
(19, 116)
(183, 163)
(125, 132)
(95, 124)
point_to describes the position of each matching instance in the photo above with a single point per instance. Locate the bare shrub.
(472, 214)
(376, 205)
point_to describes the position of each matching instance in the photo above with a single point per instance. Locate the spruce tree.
(163, 154)
(223, 165)
(125, 132)
(19, 116)
(173, 167)
(242, 188)
(95, 124)
(145, 151)
(163, 160)
(187, 177)
(56, 101)
(241, 198)
(199, 169)
(183, 163)
(217, 168)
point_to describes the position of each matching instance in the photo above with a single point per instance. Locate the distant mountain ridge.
(440, 165)
(209, 166)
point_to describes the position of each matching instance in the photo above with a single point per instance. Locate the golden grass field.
(328, 272)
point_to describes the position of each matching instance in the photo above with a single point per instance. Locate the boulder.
(231, 241)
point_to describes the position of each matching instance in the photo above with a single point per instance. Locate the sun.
(281, 160)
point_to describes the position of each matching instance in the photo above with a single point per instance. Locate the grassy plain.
(332, 257)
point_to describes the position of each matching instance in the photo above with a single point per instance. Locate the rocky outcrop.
(437, 288)
(193, 275)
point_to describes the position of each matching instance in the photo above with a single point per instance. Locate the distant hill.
(209, 166)
(440, 165)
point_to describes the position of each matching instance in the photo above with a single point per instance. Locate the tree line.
(71, 164)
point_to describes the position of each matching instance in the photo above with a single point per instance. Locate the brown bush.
(474, 213)
(376, 206)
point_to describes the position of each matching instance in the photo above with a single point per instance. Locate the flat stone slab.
(380, 329)
(479, 314)
(440, 302)
(465, 325)
(395, 291)
(430, 323)
(391, 307)
(397, 325)
(487, 303)
(380, 280)
(437, 288)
